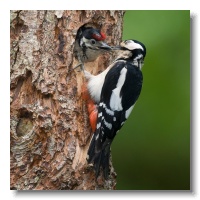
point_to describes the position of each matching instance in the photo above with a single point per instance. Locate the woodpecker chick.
(89, 45)
(115, 91)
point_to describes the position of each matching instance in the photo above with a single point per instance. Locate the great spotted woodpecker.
(115, 91)
(89, 45)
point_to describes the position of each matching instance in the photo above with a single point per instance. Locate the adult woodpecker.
(115, 91)
(89, 45)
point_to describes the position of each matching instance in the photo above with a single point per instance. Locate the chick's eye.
(92, 41)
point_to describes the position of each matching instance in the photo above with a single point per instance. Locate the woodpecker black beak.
(104, 46)
(116, 48)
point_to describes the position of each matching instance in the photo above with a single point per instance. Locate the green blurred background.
(152, 150)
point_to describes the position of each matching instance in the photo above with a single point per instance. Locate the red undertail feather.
(92, 109)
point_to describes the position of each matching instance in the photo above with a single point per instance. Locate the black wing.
(125, 80)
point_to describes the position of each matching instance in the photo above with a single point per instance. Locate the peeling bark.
(50, 131)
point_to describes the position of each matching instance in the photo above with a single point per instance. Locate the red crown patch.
(99, 37)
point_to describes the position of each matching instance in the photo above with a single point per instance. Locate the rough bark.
(50, 131)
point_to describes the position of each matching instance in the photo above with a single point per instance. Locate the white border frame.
(6, 6)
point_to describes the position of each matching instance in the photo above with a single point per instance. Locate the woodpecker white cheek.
(133, 46)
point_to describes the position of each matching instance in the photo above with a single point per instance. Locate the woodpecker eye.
(92, 41)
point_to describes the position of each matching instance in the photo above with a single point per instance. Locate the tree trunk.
(50, 131)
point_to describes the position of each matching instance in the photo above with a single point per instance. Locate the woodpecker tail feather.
(99, 158)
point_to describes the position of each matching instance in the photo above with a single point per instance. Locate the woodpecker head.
(93, 39)
(89, 44)
(133, 50)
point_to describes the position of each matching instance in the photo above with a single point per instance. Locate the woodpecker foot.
(81, 65)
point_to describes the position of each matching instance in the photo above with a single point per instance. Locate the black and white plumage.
(89, 45)
(120, 86)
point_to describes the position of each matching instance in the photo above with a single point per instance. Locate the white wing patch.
(108, 111)
(96, 138)
(108, 125)
(100, 114)
(128, 112)
(98, 125)
(115, 100)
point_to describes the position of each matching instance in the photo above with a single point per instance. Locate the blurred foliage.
(152, 150)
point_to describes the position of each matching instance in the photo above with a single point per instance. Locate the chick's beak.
(104, 46)
(116, 48)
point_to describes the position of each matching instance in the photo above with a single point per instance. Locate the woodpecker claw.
(81, 65)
